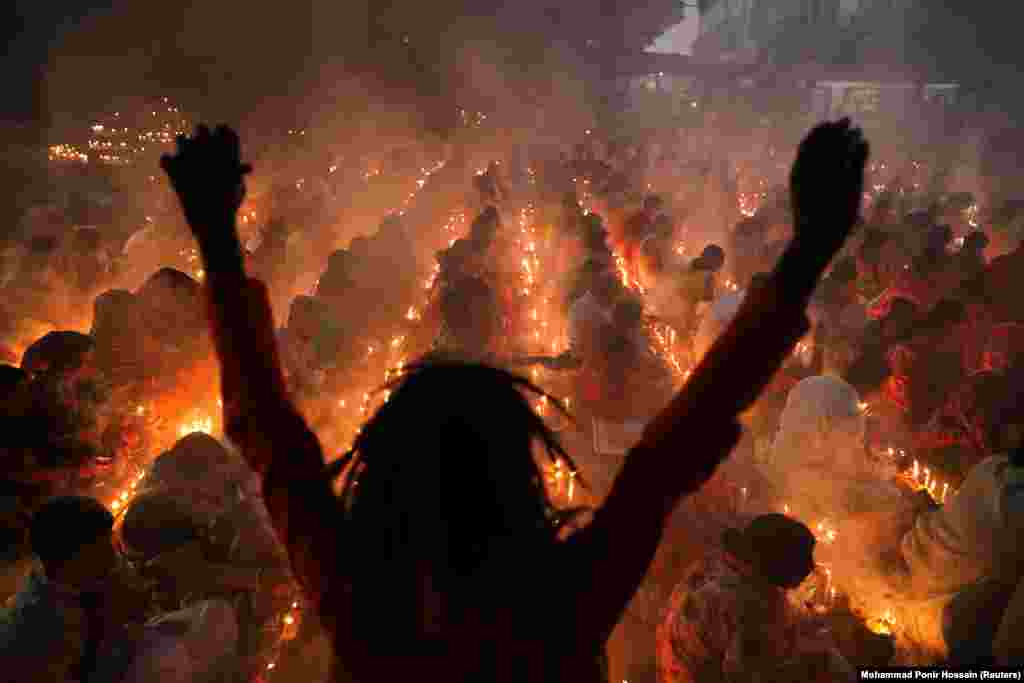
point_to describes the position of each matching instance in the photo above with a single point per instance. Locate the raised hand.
(208, 176)
(827, 185)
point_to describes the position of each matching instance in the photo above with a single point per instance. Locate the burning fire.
(825, 532)
(199, 424)
(921, 479)
(884, 625)
(563, 479)
(125, 497)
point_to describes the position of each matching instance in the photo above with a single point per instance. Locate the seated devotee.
(870, 282)
(59, 353)
(471, 320)
(901, 279)
(441, 575)
(170, 306)
(656, 258)
(664, 297)
(300, 341)
(722, 310)
(971, 539)
(934, 367)
(640, 225)
(591, 311)
(393, 288)
(837, 298)
(729, 619)
(71, 616)
(337, 280)
(633, 383)
(39, 290)
(702, 272)
(657, 250)
(584, 278)
(219, 489)
(117, 330)
(819, 465)
(271, 258)
(361, 251)
(490, 186)
(484, 229)
(174, 548)
(972, 419)
(67, 395)
(763, 419)
(881, 374)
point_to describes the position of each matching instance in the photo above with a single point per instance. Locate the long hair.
(442, 480)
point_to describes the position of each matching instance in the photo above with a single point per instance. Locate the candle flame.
(199, 424)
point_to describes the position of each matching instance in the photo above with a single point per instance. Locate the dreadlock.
(443, 473)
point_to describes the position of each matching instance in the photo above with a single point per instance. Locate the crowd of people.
(594, 457)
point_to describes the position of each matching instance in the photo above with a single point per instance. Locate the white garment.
(821, 433)
(718, 317)
(974, 535)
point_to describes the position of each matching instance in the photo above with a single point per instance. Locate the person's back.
(52, 631)
(971, 537)
(117, 330)
(170, 305)
(590, 312)
(635, 383)
(729, 617)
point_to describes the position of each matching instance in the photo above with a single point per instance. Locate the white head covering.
(817, 409)
(818, 455)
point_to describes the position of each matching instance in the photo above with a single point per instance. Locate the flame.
(199, 424)
(883, 625)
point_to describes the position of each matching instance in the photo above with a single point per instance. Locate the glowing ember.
(883, 625)
(972, 215)
(199, 424)
(825, 532)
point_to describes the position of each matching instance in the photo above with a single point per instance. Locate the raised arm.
(207, 175)
(682, 447)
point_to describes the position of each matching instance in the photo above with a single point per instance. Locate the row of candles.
(922, 480)
(560, 477)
